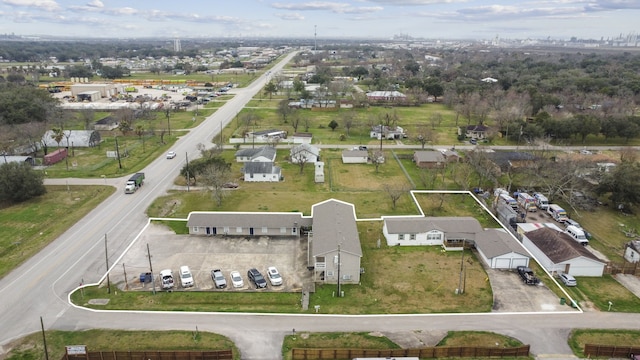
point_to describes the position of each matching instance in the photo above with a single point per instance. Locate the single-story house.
(387, 132)
(559, 253)
(261, 172)
(73, 138)
(355, 156)
(450, 232)
(302, 138)
(304, 153)
(246, 223)
(383, 96)
(500, 250)
(429, 159)
(632, 251)
(450, 156)
(261, 154)
(477, 132)
(334, 245)
(511, 159)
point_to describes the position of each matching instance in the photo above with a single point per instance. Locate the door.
(213, 230)
(208, 230)
(250, 231)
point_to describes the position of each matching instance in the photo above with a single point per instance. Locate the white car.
(171, 154)
(236, 279)
(274, 276)
(186, 279)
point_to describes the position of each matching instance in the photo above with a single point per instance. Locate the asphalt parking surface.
(205, 253)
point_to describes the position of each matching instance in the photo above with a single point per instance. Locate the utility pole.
(339, 288)
(460, 291)
(44, 340)
(186, 155)
(153, 282)
(118, 153)
(168, 115)
(106, 255)
(126, 283)
(315, 39)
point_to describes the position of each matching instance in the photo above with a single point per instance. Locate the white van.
(186, 279)
(577, 234)
(541, 201)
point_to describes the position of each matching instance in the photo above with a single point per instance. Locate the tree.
(20, 104)
(622, 183)
(19, 182)
(348, 120)
(140, 132)
(395, 193)
(270, 89)
(284, 110)
(299, 156)
(109, 72)
(333, 125)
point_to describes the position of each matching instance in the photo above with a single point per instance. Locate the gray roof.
(266, 151)
(334, 223)
(496, 242)
(260, 168)
(77, 138)
(428, 156)
(241, 219)
(463, 227)
(355, 153)
(305, 147)
(558, 246)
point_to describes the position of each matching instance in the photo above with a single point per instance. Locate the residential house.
(386, 96)
(387, 132)
(355, 156)
(477, 132)
(632, 251)
(304, 153)
(334, 244)
(260, 154)
(73, 138)
(450, 232)
(429, 159)
(266, 135)
(557, 252)
(506, 160)
(450, 155)
(261, 172)
(107, 123)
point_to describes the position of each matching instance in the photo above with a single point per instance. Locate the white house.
(355, 156)
(73, 138)
(632, 251)
(500, 250)
(261, 154)
(261, 172)
(304, 153)
(387, 132)
(559, 253)
(302, 138)
(419, 230)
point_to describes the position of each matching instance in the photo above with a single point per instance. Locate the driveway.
(204, 253)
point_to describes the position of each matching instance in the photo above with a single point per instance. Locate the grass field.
(22, 236)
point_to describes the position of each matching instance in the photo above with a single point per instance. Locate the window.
(251, 175)
(226, 230)
(195, 229)
(401, 237)
(293, 230)
(238, 229)
(265, 230)
(346, 277)
(283, 230)
(329, 273)
(434, 236)
(320, 259)
(412, 236)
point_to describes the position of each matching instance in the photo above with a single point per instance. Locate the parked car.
(218, 279)
(568, 280)
(186, 279)
(167, 279)
(236, 279)
(274, 276)
(256, 278)
(527, 275)
(171, 154)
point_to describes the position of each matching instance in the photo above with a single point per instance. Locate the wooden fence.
(153, 355)
(429, 352)
(622, 268)
(609, 351)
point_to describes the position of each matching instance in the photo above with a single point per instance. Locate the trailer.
(134, 182)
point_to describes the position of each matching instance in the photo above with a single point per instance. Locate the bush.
(19, 182)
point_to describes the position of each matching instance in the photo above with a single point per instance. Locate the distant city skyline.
(375, 19)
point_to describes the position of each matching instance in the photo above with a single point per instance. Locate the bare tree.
(87, 116)
(348, 120)
(395, 192)
(215, 174)
(299, 156)
(435, 119)
(377, 158)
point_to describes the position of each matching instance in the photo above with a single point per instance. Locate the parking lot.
(205, 253)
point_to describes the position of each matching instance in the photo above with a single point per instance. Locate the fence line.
(153, 355)
(429, 352)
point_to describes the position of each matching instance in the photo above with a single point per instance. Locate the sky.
(368, 19)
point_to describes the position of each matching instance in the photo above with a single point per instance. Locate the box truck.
(557, 213)
(134, 182)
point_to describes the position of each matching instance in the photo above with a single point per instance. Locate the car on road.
(218, 279)
(568, 280)
(256, 278)
(171, 154)
(274, 276)
(186, 279)
(236, 279)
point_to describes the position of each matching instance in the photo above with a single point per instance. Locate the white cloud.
(293, 16)
(335, 7)
(96, 4)
(48, 5)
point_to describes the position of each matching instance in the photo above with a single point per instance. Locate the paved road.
(40, 286)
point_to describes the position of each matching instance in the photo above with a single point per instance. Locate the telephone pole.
(153, 282)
